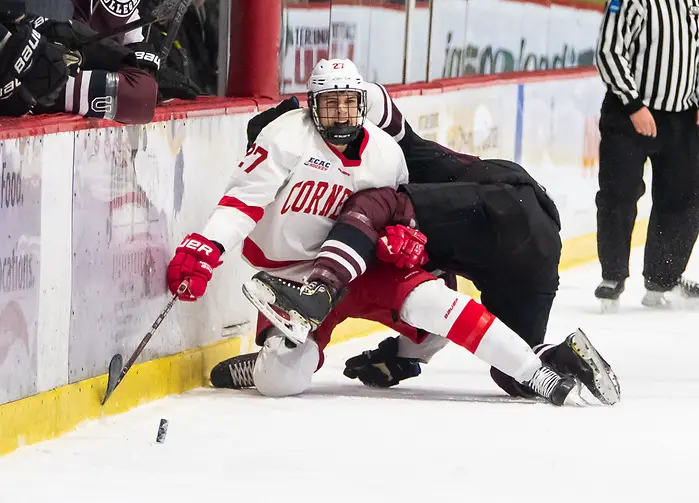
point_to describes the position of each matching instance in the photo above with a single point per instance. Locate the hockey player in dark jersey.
(485, 220)
(110, 79)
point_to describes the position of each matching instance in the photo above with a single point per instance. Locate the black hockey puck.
(162, 431)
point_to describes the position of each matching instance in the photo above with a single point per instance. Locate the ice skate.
(683, 295)
(608, 292)
(295, 309)
(234, 373)
(555, 388)
(576, 356)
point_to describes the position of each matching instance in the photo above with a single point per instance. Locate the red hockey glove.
(195, 258)
(402, 246)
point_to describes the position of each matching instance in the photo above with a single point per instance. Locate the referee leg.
(674, 219)
(622, 154)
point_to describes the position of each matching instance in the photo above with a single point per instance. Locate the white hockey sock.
(423, 351)
(434, 307)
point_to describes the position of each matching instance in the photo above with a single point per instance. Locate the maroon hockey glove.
(402, 246)
(195, 258)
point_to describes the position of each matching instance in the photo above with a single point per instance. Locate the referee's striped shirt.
(648, 52)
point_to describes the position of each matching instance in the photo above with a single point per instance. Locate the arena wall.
(91, 212)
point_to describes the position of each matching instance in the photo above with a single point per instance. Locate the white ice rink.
(448, 435)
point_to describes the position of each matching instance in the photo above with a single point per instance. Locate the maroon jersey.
(103, 15)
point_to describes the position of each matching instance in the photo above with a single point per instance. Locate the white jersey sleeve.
(255, 183)
(382, 112)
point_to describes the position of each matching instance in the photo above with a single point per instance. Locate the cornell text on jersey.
(316, 198)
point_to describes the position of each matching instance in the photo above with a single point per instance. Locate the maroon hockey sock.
(351, 243)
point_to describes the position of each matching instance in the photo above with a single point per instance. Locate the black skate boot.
(577, 357)
(557, 389)
(685, 294)
(382, 367)
(510, 386)
(609, 292)
(234, 373)
(295, 309)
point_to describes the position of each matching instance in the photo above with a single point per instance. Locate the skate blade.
(669, 301)
(296, 328)
(606, 386)
(580, 396)
(609, 306)
(659, 300)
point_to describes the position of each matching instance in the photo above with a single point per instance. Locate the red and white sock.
(434, 307)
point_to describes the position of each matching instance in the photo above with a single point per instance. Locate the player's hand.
(27, 58)
(402, 246)
(382, 367)
(195, 258)
(172, 84)
(644, 123)
(145, 57)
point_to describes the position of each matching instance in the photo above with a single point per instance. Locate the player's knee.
(427, 298)
(284, 371)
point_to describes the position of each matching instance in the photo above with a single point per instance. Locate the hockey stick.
(172, 30)
(164, 11)
(116, 372)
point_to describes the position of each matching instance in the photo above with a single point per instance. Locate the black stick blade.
(115, 366)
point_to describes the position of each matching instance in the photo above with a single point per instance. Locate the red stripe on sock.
(470, 327)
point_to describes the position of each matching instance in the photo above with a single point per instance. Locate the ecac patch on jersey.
(317, 164)
(120, 8)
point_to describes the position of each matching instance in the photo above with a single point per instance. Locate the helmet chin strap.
(341, 135)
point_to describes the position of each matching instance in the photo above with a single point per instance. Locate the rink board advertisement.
(105, 220)
(20, 223)
(120, 251)
(468, 37)
(559, 145)
(138, 191)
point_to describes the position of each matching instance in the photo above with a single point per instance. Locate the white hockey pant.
(283, 371)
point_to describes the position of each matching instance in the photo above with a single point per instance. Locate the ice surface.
(448, 435)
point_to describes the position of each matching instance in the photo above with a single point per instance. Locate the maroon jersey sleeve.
(104, 15)
(383, 112)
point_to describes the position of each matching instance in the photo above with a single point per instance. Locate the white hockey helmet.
(332, 75)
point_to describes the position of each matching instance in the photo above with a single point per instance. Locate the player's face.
(338, 107)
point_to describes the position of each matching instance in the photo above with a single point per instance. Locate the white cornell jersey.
(286, 193)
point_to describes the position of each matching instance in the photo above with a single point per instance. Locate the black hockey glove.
(61, 32)
(258, 123)
(106, 54)
(31, 70)
(172, 84)
(382, 367)
(145, 57)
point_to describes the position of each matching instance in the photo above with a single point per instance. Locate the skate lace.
(241, 372)
(544, 381)
(309, 288)
(291, 284)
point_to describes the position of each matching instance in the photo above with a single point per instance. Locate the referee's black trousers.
(674, 218)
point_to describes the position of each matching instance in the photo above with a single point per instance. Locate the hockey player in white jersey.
(282, 201)
(397, 298)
